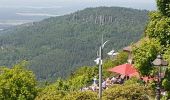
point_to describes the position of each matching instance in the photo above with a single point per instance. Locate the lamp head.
(159, 61)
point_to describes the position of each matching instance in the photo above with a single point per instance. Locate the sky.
(15, 12)
(80, 4)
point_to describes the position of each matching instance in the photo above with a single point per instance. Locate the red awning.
(125, 69)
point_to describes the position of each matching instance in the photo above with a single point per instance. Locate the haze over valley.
(17, 12)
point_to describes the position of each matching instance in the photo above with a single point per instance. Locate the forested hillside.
(56, 46)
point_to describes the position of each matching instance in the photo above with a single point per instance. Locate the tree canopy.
(157, 31)
(144, 53)
(17, 83)
(164, 7)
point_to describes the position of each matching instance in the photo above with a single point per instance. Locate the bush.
(50, 93)
(88, 95)
(134, 80)
(82, 77)
(128, 92)
(17, 83)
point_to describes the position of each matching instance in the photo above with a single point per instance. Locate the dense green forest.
(57, 46)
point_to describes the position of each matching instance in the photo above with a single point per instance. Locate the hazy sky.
(140, 4)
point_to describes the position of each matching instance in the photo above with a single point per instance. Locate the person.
(108, 82)
(104, 84)
(84, 89)
(95, 80)
(113, 80)
(120, 81)
(93, 87)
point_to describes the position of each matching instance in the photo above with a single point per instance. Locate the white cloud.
(36, 14)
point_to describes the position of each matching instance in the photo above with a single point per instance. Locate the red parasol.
(125, 69)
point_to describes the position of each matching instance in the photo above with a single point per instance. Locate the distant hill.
(58, 45)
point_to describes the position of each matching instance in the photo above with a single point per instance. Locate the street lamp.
(100, 67)
(159, 63)
(99, 62)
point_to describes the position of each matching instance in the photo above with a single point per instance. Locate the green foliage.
(133, 80)
(159, 28)
(166, 55)
(78, 82)
(164, 7)
(67, 88)
(166, 81)
(144, 54)
(58, 45)
(165, 84)
(82, 77)
(87, 70)
(61, 85)
(51, 93)
(107, 64)
(128, 92)
(17, 83)
(87, 95)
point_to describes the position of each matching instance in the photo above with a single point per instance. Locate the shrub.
(87, 95)
(128, 92)
(50, 93)
(17, 83)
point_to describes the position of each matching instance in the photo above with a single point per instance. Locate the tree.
(164, 7)
(159, 23)
(159, 28)
(144, 53)
(166, 80)
(17, 83)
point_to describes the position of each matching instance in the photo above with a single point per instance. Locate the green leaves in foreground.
(17, 83)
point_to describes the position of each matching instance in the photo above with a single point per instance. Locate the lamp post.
(100, 62)
(159, 63)
(100, 72)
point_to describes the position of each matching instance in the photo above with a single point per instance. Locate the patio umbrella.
(124, 69)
